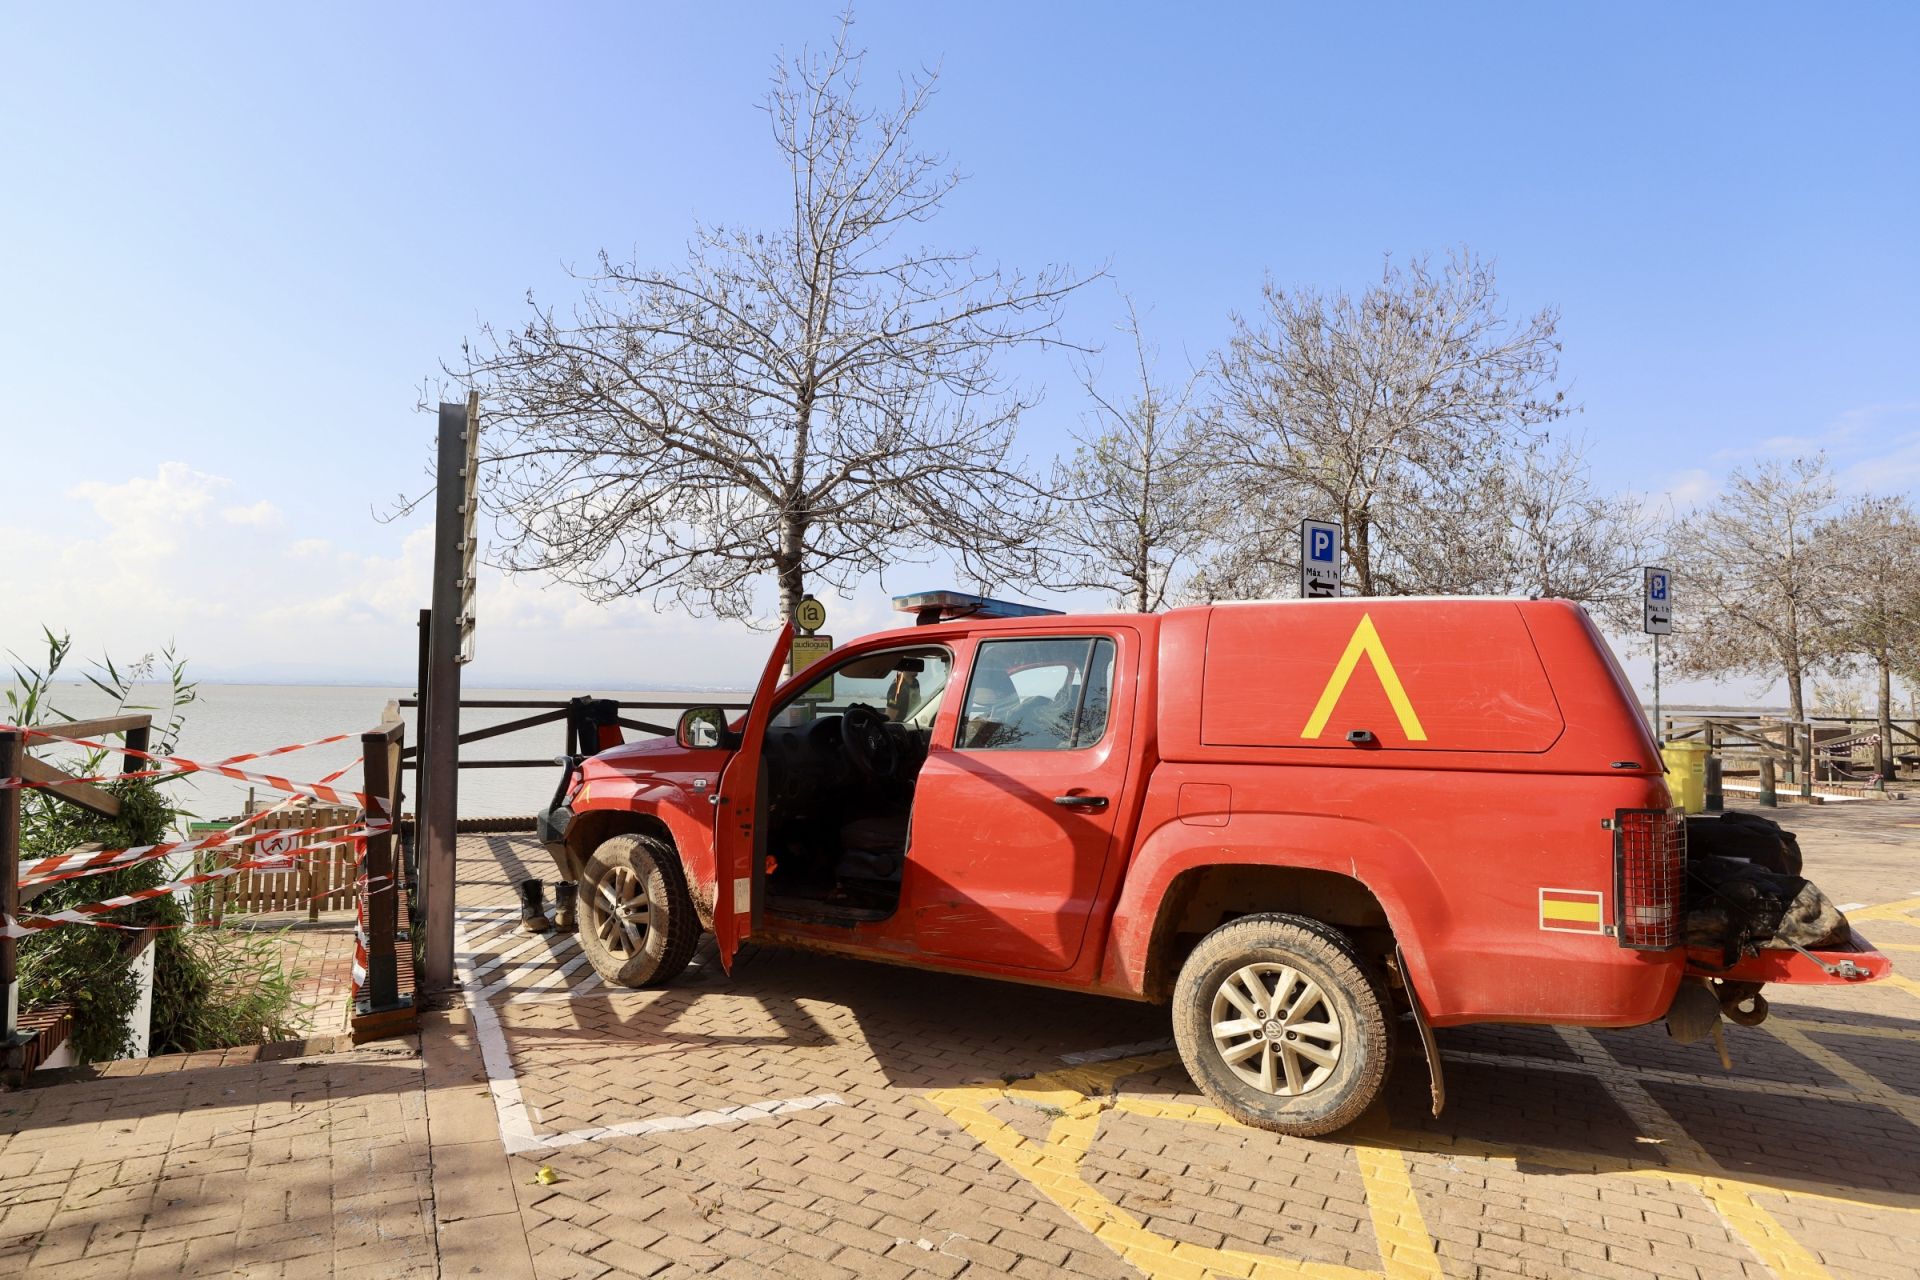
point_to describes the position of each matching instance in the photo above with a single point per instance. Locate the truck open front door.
(738, 819)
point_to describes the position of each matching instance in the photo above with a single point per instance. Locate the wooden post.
(411, 840)
(1716, 795)
(1769, 797)
(12, 1040)
(1806, 761)
(439, 756)
(380, 753)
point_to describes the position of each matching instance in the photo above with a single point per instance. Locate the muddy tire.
(1283, 1024)
(637, 923)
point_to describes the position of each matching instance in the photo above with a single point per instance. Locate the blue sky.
(237, 241)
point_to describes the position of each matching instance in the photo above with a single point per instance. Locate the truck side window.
(1038, 695)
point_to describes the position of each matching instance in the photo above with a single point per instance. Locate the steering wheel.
(871, 749)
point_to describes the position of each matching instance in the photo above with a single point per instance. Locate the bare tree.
(1875, 547)
(1390, 413)
(1557, 535)
(1757, 591)
(1136, 494)
(812, 401)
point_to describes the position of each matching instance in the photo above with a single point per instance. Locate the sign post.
(807, 648)
(449, 645)
(1656, 619)
(1319, 560)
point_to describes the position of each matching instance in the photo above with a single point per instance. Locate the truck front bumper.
(551, 826)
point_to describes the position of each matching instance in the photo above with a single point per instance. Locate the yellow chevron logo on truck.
(1366, 640)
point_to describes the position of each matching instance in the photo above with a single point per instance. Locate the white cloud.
(260, 515)
(1690, 488)
(176, 494)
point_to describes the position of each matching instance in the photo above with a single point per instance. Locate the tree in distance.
(1414, 415)
(1768, 597)
(1137, 502)
(1874, 548)
(815, 400)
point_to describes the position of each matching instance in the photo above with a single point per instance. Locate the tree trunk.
(791, 568)
(1796, 700)
(1883, 750)
(1142, 574)
(1362, 553)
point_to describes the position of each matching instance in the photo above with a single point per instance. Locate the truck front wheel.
(1283, 1024)
(637, 923)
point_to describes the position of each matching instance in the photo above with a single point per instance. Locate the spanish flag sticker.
(1571, 910)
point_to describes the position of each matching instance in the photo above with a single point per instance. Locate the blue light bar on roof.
(943, 606)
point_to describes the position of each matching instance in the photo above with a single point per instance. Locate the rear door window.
(1047, 694)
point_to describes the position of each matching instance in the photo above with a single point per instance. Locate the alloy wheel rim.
(622, 915)
(1275, 1029)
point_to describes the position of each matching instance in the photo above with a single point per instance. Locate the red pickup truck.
(1294, 821)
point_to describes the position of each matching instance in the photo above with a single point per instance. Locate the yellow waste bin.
(1687, 773)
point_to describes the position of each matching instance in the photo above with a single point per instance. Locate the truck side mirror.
(701, 727)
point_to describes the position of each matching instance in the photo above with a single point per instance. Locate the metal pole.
(440, 748)
(1658, 738)
(12, 748)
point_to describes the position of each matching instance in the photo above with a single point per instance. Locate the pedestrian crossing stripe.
(1571, 910)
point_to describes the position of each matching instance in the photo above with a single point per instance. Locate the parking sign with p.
(1319, 560)
(1657, 602)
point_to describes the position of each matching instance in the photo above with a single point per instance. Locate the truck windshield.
(904, 685)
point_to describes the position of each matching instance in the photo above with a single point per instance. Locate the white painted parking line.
(510, 1106)
(553, 979)
(528, 970)
(1850, 906)
(698, 1120)
(1114, 1053)
(488, 966)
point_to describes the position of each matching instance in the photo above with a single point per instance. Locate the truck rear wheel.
(1283, 1024)
(637, 923)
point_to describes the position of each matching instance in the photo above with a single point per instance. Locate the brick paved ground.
(819, 1118)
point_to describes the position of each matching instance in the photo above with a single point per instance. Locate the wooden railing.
(22, 1046)
(1844, 752)
(550, 711)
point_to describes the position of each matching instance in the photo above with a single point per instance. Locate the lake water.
(227, 719)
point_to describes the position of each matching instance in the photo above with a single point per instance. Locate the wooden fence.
(320, 879)
(1838, 755)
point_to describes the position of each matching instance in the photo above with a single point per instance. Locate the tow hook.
(1743, 1004)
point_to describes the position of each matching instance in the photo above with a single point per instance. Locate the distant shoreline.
(578, 687)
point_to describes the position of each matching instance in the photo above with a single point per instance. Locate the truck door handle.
(1081, 802)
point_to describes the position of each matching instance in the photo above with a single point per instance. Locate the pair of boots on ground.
(533, 907)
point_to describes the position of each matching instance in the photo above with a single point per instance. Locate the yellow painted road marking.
(1366, 640)
(1078, 1096)
(1886, 910)
(1907, 985)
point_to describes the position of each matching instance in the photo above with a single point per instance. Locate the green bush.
(212, 989)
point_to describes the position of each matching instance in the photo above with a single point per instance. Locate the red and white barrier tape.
(137, 774)
(35, 922)
(31, 923)
(72, 866)
(180, 765)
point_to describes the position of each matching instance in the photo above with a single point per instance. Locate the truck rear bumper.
(1857, 962)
